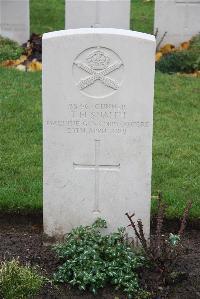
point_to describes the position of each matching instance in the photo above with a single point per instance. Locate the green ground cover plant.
(9, 49)
(18, 282)
(91, 260)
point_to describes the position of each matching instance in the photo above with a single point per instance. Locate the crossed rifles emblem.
(98, 67)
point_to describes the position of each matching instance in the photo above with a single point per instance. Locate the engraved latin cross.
(97, 167)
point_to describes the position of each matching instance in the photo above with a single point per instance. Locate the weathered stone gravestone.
(178, 20)
(97, 116)
(14, 20)
(97, 14)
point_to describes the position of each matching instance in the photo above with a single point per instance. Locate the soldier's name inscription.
(97, 118)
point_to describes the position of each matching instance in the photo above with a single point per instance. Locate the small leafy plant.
(9, 49)
(90, 260)
(18, 282)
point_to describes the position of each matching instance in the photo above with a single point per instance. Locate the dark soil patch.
(26, 243)
(21, 218)
(36, 217)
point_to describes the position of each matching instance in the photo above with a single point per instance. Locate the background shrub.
(186, 61)
(18, 282)
(91, 260)
(9, 49)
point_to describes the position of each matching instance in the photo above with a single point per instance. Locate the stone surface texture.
(97, 14)
(14, 20)
(180, 19)
(97, 121)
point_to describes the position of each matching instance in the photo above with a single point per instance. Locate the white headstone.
(97, 14)
(97, 117)
(179, 20)
(14, 20)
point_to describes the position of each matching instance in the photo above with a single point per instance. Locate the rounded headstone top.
(106, 31)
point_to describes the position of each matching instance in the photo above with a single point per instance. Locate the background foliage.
(186, 61)
(9, 49)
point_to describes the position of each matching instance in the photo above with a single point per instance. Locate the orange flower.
(158, 56)
(167, 49)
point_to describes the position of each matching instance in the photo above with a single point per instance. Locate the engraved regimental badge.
(98, 72)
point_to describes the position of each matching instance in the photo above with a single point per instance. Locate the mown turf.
(142, 15)
(176, 140)
(48, 15)
(21, 140)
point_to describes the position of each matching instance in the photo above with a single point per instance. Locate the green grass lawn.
(142, 16)
(21, 137)
(176, 140)
(49, 15)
